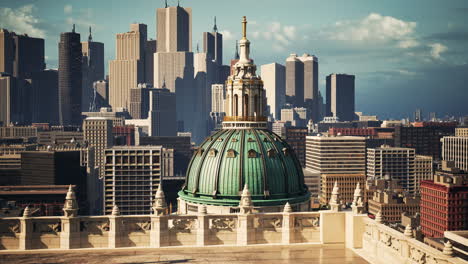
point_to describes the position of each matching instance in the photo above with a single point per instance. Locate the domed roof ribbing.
(231, 158)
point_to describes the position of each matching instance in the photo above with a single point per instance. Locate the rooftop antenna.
(73, 29)
(215, 28)
(198, 49)
(164, 82)
(90, 38)
(178, 3)
(166, 3)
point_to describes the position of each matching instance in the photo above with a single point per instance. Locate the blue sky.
(405, 54)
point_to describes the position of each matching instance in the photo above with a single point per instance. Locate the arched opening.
(246, 105)
(235, 105)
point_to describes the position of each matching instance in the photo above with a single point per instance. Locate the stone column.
(288, 225)
(159, 231)
(244, 226)
(26, 230)
(70, 234)
(203, 225)
(115, 229)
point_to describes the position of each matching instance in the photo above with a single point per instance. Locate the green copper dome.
(231, 158)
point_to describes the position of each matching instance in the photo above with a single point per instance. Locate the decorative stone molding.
(159, 205)
(70, 208)
(334, 203)
(219, 224)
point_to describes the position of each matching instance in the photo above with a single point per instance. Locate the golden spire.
(244, 28)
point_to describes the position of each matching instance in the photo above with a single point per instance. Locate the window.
(252, 154)
(231, 153)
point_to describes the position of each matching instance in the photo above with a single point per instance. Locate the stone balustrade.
(114, 231)
(383, 244)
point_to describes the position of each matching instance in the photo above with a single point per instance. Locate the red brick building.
(444, 202)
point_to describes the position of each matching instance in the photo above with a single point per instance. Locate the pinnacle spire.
(90, 37)
(215, 28)
(198, 48)
(236, 55)
(70, 207)
(159, 205)
(287, 208)
(73, 29)
(27, 211)
(165, 3)
(244, 45)
(115, 210)
(408, 231)
(178, 3)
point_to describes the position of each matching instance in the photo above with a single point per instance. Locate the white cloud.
(290, 31)
(68, 9)
(279, 35)
(375, 27)
(227, 35)
(408, 43)
(21, 20)
(437, 49)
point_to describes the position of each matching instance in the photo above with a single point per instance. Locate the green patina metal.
(233, 157)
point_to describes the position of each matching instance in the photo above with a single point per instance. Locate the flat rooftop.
(294, 254)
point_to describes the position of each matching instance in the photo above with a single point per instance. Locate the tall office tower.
(163, 112)
(217, 98)
(173, 63)
(425, 137)
(161, 119)
(423, 170)
(311, 85)
(340, 96)
(100, 95)
(139, 101)
(456, 149)
(273, 76)
(341, 159)
(213, 45)
(294, 81)
(45, 97)
(20, 57)
(296, 138)
(418, 115)
(397, 163)
(128, 68)
(217, 106)
(7, 51)
(205, 75)
(92, 68)
(132, 177)
(70, 78)
(7, 89)
(98, 133)
(149, 60)
(443, 201)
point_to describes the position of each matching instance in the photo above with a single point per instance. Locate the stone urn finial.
(334, 203)
(379, 218)
(70, 207)
(245, 203)
(115, 210)
(408, 231)
(159, 205)
(287, 208)
(27, 211)
(448, 248)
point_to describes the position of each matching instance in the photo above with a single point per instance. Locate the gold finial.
(244, 27)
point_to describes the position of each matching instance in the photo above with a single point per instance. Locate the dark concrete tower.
(70, 78)
(213, 44)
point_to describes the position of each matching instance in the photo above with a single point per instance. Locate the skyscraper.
(340, 96)
(93, 69)
(302, 83)
(456, 149)
(149, 60)
(7, 87)
(294, 81)
(273, 76)
(139, 101)
(213, 45)
(174, 65)
(70, 78)
(128, 68)
(45, 97)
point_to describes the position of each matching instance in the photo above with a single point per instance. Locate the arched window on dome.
(271, 153)
(252, 154)
(212, 152)
(200, 151)
(231, 153)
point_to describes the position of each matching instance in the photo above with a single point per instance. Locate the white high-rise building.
(274, 81)
(456, 149)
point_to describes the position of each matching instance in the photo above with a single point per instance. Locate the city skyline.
(415, 57)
